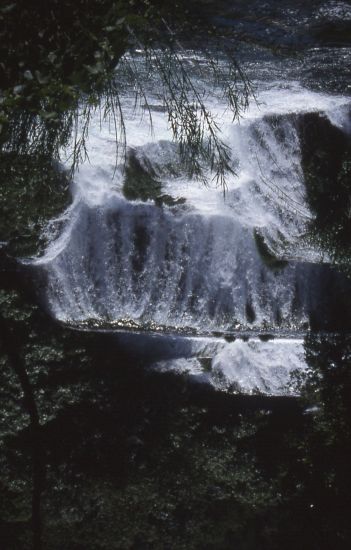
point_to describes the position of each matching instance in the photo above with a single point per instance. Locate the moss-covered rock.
(142, 183)
(268, 258)
(326, 162)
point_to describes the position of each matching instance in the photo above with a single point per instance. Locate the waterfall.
(178, 269)
(200, 263)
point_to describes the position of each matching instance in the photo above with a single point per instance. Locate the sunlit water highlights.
(210, 263)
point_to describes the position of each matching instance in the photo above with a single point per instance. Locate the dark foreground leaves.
(129, 458)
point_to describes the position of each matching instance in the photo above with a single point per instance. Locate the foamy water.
(198, 266)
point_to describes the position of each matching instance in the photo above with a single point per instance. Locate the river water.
(225, 285)
(192, 388)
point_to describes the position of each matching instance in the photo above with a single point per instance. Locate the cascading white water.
(171, 268)
(246, 366)
(197, 266)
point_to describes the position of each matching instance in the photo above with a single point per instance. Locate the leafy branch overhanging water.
(60, 70)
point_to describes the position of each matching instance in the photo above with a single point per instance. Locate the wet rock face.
(334, 310)
(326, 163)
(140, 181)
(143, 178)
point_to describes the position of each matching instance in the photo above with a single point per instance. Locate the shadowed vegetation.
(59, 69)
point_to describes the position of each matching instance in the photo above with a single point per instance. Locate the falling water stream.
(220, 286)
